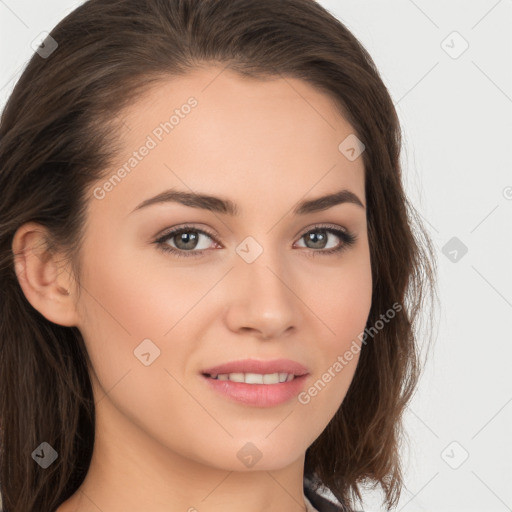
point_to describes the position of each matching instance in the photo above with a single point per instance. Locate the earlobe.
(46, 286)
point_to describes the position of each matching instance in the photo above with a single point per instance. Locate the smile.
(255, 378)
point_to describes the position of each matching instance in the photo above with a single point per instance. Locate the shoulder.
(321, 502)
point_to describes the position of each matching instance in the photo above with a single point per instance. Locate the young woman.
(210, 274)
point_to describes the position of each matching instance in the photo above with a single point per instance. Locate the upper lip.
(258, 366)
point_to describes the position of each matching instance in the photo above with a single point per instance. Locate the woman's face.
(241, 285)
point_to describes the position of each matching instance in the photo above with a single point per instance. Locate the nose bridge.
(262, 300)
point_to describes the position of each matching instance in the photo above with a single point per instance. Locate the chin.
(255, 453)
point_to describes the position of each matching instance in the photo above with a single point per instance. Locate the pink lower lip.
(259, 395)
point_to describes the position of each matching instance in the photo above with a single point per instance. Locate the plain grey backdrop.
(448, 67)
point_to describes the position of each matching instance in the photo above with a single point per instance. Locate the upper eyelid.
(174, 231)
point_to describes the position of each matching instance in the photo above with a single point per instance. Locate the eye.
(318, 238)
(186, 240)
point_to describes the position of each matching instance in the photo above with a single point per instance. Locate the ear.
(47, 284)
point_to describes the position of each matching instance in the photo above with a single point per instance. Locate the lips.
(258, 366)
(257, 383)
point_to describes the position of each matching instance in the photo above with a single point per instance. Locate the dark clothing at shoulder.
(320, 502)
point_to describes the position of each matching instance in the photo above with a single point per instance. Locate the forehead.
(214, 130)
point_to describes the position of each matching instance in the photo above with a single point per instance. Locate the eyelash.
(348, 239)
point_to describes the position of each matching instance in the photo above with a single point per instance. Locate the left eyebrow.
(226, 206)
(325, 202)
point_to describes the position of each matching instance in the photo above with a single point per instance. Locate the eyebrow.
(226, 206)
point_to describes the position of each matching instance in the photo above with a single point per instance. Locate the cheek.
(342, 302)
(125, 301)
(136, 297)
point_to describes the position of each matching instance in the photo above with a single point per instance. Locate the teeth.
(255, 378)
(270, 378)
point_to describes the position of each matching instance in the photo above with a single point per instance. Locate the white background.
(456, 116)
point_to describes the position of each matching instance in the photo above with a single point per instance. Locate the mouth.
(257, 383)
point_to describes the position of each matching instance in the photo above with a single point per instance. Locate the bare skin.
(164, 439)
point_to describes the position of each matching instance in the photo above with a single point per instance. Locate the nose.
(262, 300)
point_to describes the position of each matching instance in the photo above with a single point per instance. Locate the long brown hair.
(57, 137)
